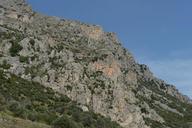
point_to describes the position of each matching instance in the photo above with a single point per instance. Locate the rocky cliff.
(89, 66)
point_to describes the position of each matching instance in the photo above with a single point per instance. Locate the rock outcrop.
(85, 63)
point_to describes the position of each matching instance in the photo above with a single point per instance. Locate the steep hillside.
(32, 101)
(87, 65)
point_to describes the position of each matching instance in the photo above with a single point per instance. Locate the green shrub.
(15, 48)
(32, 42)
(24, 59)
(65, 122)
(5, 65)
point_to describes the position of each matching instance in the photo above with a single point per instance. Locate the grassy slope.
(7, 121)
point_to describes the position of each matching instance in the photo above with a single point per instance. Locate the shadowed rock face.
(88, 65)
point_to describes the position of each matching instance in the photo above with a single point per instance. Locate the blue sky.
(157, 32)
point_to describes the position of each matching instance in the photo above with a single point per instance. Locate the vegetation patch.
(14, 37)
(32, 42)
(15, 48)
(5, 65)
(24, 59)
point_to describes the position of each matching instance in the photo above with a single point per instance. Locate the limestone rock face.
(85, 63)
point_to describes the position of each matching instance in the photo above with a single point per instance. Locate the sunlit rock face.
(87, 64)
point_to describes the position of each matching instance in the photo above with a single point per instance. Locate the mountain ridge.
(89, 66)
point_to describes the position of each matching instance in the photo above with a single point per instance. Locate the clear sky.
(157, 32)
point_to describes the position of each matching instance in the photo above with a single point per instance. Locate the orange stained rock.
(94, 32)
(108, 70)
